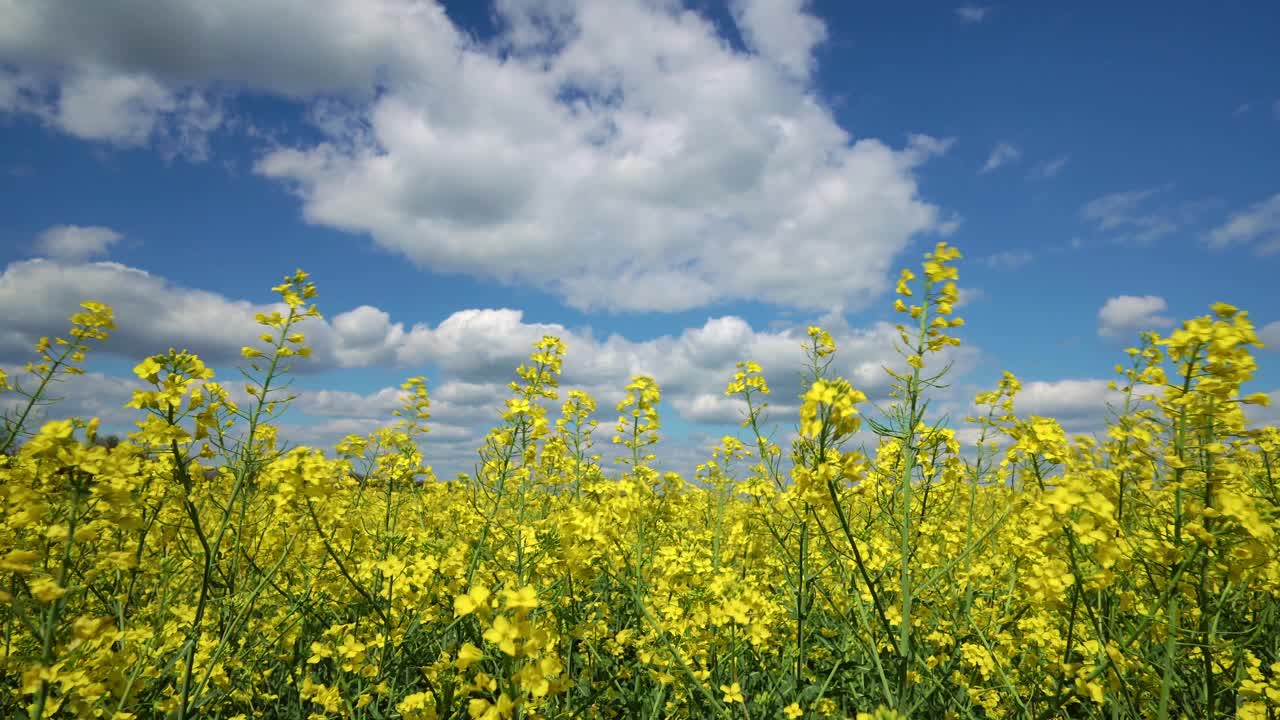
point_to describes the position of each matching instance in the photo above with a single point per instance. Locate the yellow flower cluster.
(638, 422)
(199, 570)
(940, 295)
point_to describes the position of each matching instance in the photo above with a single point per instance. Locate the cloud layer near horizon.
(472, 354)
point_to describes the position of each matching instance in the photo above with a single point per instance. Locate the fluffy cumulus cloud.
(476, 347)
(1065, 398)
(1081, 406)
(333, 46)
(1087, 406)
(562, 153)
(463, 411)
(134, 71)
(75, 242)
(1258, 225)
(473, 352)
(484, 346)
(92, 394)
(1123, 317)
(98, 105)
(781, 31)
(122, 108)
(151, 313)
(585, 171)
(461, 414)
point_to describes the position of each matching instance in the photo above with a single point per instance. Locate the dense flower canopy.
(200, 569)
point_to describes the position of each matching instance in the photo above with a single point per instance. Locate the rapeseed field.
(199, 570)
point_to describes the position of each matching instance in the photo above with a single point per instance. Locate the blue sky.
(669, 187)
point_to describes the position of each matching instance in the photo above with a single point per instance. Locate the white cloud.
(970, 295)
(462, 412)
(973, 13)
(1051, 168)
(1065, 398)
(712, 408)
(96, 104)
(476, 350)
(1081, 406)
(126, 109)
(1125, 316)
(1258, 225)
(782, 31)
(133, 72)
(1269, 416)
(1130, 217)
(344, 403)
(151, 314)
(333, 46)
(75, 242)
(692, 369)
(92, 394)
(563, 154)
(1269, 334)
(652, 200)
(1002, 154)
(1116, 209)
(1008, 259)
(1087, 406)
